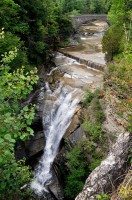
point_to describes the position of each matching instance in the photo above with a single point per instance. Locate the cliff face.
(108, 175)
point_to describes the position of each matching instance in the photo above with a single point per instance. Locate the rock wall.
(106, 177)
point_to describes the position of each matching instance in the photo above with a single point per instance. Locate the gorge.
(69, 81)
(66, 100)
(72, 79)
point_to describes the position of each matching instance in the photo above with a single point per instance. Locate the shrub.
(111, 41)
(96, 159)
(78, 170)
(102, 197)
(93, 130)
(98, 112)
(88, 98)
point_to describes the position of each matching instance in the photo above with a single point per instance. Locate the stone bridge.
(78, 20)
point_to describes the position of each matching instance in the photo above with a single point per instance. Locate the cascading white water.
(57, 116)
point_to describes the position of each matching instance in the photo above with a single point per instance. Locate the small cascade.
(57, 114)
(84, 61)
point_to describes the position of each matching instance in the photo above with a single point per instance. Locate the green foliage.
(99, 6)
(98, 112)
(120, 73)
(9, 10)
(85, 6)
(94, 130)
(78, 166)
(74, 183)
(14, 175)
(65, 26)
(34, 27)
(119, 48)
(116, 13)
(14, 124)
(75, 12)
(78, 5)
(120, 17)
(102, 197)
(81, 160)
(112, 42)
(129, 124)
(8, 42)
(92, 99)
(88, 98)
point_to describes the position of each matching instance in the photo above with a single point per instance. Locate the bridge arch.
(78, 20)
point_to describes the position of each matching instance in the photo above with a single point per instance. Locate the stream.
(61, 104)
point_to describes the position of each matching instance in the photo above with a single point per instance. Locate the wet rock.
(20, 151)
(56, 189)
(84, 61)
(30, 147)
(35, 144)
(46, 196)
(75, 123)
(76, 136)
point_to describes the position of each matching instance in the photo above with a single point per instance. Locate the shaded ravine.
(60, 106)
(56, 119)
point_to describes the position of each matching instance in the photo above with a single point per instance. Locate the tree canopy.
(34, 27)
(84, 6)
(15, 123)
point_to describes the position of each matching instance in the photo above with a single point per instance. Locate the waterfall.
(57, 114)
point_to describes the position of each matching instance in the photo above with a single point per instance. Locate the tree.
(9, 19)
(70, 6)
(36, 25)
(112, 42)
(99, 6)
(15, 124)
(116, 14)
(121, 23)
